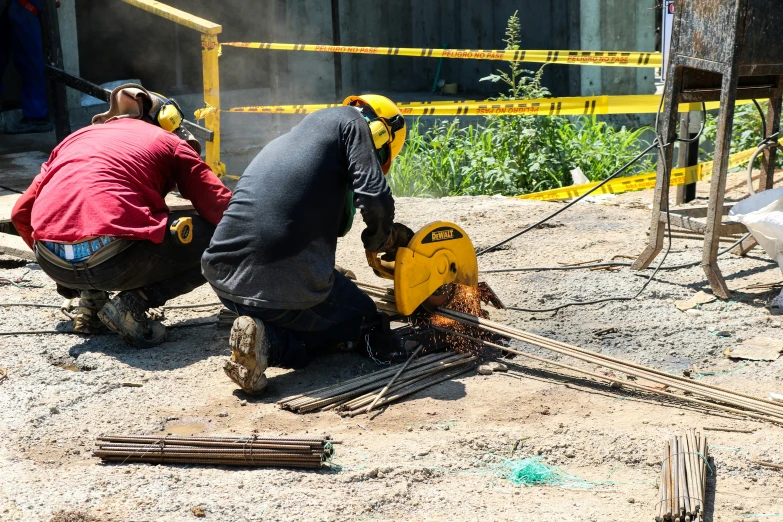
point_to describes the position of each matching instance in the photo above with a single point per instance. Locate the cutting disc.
(441, 297)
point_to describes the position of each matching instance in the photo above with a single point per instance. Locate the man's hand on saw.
(347, 273)
(400, 237)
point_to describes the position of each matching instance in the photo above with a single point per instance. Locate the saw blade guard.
(440, 253)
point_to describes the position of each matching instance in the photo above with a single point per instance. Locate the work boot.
(29, 125)
(250, 350)
(126, 315)
(86, 318)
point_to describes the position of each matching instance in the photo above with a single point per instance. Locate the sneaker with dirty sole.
(250, 349)
(86, 320)
(126, 315)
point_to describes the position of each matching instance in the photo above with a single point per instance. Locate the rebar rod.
(402, 369)
(225, 451)
(538, 341)
(356, 382)
(313, 405)
(404, 393)
(421, 370)
(228, 456)
(225, 445)
(271, 463)
(414, 377)
(629, 384)
(714, 393)
(672, 501)
(239, 440)
(361, 402)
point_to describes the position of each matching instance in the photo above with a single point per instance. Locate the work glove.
(347, 273)
(400, 236)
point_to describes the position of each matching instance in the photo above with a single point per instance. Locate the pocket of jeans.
(307, 321)
(280, 319)
(127, 275)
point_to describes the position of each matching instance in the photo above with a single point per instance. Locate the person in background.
(20, 39)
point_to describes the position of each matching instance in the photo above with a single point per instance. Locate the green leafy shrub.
(510, 155)
(746, 133)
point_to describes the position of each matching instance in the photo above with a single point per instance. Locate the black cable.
(763, 118)
(646, 283)
(701, 129)
(605, 265)
(9, 189)
(614, 175)
(659, 142)
(572, 202)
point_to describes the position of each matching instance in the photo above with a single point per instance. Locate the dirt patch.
(74, 516)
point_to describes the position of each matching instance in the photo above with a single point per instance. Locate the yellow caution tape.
(604, 58)
(680, 176)
(572, 106)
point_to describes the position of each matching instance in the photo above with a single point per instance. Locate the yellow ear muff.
(380, 134)
(169, 117)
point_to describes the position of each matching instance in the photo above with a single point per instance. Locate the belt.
(29, 6)
(79, 251)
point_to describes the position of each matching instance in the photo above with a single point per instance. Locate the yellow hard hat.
(387, 124)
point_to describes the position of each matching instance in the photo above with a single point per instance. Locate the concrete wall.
(617, 25)
(119, 41)
(138, 44)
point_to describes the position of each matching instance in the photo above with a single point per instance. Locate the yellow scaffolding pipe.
(175, 15)
(210, 49)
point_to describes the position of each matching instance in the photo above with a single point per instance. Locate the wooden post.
(53, 55)
(682, 154)
(687, 156)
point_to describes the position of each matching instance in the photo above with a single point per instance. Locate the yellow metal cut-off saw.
(438, 257)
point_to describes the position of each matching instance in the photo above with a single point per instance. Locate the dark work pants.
(297, 335)
(20, 39)
(161, 271)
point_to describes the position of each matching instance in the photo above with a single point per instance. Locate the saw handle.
(381, 268)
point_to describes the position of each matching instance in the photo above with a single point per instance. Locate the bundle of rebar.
(289, 452)
(683, 479)
(382, 295)
(705, 395)
(360, 394)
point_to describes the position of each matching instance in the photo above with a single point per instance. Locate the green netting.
(532, 472)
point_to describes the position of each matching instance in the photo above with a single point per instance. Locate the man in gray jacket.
(272, 257)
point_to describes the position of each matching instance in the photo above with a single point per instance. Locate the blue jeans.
(298, 335)
(20, 38)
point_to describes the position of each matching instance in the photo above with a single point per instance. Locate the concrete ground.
(446, 453)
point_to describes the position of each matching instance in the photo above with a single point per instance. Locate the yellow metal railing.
(210, 49)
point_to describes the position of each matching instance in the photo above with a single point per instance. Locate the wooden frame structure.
(720, 50)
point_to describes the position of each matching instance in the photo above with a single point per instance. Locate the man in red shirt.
(97, 220)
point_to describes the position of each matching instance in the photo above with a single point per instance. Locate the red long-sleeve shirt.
(111, 179)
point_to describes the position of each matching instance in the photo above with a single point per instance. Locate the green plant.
(746, 133)
(510, 155)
